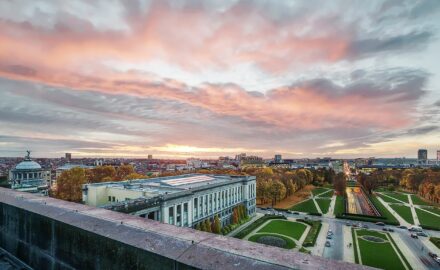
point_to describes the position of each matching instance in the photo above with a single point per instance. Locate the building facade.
(422, 156)
(183, 200)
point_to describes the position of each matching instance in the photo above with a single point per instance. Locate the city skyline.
(180, 79)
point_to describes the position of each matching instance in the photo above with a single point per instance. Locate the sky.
(180, 79)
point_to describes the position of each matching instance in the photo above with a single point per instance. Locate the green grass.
(319, 190)
(398, 196)
(339, 205)
(435, 241)
(328, 194)
(312, 235)
(379, 255)
(433, 209)
(388, 199)
(427, 220)
(307, 206)
(288, 228)
(289, 243)
(382, 209)
(418, 201)
(324, 204)
(257, 223)
(404, 212)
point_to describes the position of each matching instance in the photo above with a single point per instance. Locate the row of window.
(179, 215)
(208, 204)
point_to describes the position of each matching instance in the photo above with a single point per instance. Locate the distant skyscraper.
(150, 156)
(438, 155)
(422, 156)
(68, 157)
(278, 159)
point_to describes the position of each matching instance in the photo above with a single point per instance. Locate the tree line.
(69, 184)
(425, 182)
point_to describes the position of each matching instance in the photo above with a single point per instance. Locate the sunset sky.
(210, 78)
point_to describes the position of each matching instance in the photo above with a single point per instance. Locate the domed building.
(28, 175)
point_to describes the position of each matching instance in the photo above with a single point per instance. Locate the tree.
(69, 185)
(198, 227)
(340, 183)
(132, 176)
(102, 174)
(203, 226)
(234, 216)
(277, 191)
(208, 225)
(216, 225)
(123, 171)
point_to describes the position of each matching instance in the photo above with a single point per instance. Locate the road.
(336, 251)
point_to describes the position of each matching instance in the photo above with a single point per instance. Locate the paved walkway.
(318, 249)
(395, 247)
(348, 239)
(397, 216)
(409, 256)
(317, 205)
(422, 209)
(413, 211)
(331, 209)
(430, 245)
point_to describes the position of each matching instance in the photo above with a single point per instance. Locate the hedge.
(257, 223)
(312, 235)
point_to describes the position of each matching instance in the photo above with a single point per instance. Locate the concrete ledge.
(47, 233)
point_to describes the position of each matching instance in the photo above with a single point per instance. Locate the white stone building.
(183, 200)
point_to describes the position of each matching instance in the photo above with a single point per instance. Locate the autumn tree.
(123, 171)
(208, 225)
(102, 174)
(69, 185)
(134, 175)
(216, 225)
(340, 183)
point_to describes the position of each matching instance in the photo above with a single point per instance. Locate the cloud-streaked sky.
(208, 78)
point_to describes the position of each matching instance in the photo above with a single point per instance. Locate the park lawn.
(324, 204)
(418, 201)
(435, 241)
(398, 196)
(404, 212)
(327, 194)
(384, 211)
(289, 243)
(388, 199)
(319, 190)
(288, 228)
(428, 220)
(339, 205)
(432, 209)
(307, 206)
(379, 255)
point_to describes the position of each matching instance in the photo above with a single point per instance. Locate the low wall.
(47, 233)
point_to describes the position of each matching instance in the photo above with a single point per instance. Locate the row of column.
(20, 176)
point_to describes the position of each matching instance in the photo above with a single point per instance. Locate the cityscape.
(190, 134)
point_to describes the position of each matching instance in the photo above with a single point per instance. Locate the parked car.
(422, 234)
(365, 226)
(380, 223)
(415, 229)
(354, 225)
(390, 230)
(385, 229)
(402, 227)
(347, 223)
(413, 235)
(437, 259)
(432, 255)
(329, 236)
(327, 244)
(295, 213)
(263, 208)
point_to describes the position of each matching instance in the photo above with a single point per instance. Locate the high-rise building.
(68, 157)
(278, 159)
(150, 156)
(422, 156)
(438, 155)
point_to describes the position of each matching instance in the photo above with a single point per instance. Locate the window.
(179, 215)
(109, 198)
(113, 198)
(171, 215)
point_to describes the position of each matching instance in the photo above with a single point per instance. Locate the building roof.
(28, 165)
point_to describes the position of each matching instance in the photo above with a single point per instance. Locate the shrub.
(313, 232)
